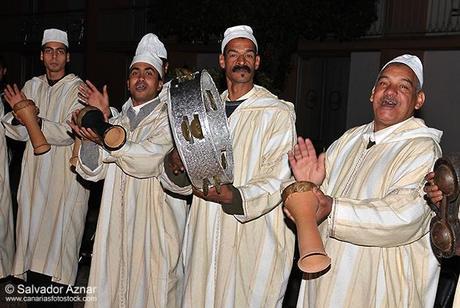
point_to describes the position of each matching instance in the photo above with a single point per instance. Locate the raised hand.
(90, 95)
(305, 164)
(13, 95)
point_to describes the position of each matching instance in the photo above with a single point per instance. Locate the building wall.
(364, 67)
(442, 89)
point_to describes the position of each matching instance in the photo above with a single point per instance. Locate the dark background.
(306, 49)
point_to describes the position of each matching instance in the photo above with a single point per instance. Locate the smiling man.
(51, 217)
(136, 257)
(377, 226)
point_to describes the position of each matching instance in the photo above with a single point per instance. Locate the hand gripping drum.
(26, 112)
(200, 130)
(445, 226)
(113, 137)
(302, 204)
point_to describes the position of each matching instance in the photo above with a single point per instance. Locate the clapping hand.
(88, 94)
(13, 96)
(305, 164)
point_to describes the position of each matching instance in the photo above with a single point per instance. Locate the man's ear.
(372, 95)
(256, 66)
(420, 100)
(127, 84)
(160, 85)
(222, 61)
(68, 57)
(41, 55)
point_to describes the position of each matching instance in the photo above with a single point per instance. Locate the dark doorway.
(321, 102)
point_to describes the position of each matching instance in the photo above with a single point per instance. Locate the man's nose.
(240, 59)
(391, 89)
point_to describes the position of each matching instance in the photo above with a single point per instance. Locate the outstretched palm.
(89, 94)
(13, 95)
(305, 164)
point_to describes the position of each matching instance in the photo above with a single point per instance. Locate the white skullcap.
(55, 35)
(414, 64)
(151, 59)
(237, 32)
(151, 42)
(146, 52)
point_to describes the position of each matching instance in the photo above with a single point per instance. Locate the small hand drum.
(200, 130)
(113, 136)
(302, 204)
(445, 226)
(26, 111)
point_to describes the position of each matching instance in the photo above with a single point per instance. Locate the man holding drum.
(238, 249)
(52, 200)
(376, 231)
(136, 257)
(6, 211)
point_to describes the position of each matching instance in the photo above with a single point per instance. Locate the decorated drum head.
(200, 130)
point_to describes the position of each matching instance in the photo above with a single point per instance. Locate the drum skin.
(200, 130)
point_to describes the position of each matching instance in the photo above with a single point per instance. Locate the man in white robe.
(137, 251)
(377, 226)
(177, 203)
(6, 211)
(238, 250)
(52, 199)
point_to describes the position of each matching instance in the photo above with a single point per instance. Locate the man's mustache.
(240, 68)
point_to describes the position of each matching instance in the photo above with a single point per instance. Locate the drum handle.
(444, 208)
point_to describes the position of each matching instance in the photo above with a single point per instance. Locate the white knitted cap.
(241, 31)
(146, 52)
(55, 35)
(411, 61)
(151, 42)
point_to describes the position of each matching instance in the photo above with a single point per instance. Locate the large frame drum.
(445, 226)
(200, 130)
